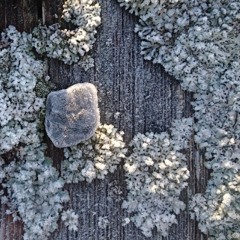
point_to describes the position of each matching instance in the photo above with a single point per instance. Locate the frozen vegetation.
(70, 46)
(198, 42)
(156, 173)
(34, 191)
(19, 73)
(32, 187)
(96, 157)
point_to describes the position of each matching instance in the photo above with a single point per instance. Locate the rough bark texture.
(147, 98)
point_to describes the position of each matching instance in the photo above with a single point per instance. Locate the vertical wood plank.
(23, 14)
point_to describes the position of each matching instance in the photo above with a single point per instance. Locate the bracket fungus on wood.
(72, 114)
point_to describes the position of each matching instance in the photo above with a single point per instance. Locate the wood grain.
(147, 98)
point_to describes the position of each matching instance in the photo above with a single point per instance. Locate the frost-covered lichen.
(70, 46)
(35, 191)
(30, 186)
(156, 173)
(198, 42)
(94, 158)
(218, 210)
(19, 73)
(33, 187)
(218, 131)
(103, 222)
(70, 219)
(194, 40)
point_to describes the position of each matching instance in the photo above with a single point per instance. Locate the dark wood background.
(147, 98)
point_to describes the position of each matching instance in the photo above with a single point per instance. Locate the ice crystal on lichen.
(70, 219)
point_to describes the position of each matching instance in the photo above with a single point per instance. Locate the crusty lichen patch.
(96, 157)
(156, 173)
(33, 186)
(19, 73)
(198, 42)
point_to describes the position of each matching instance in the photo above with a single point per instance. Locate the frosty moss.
(19, 73)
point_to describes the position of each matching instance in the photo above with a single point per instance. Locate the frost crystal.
(103, 222)
(72, 114)
(156, 172)
(95, 157)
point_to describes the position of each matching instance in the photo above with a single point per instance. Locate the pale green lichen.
(19, 73)
(70, 46)
(35, 192)
(44, 87)
(198, 42)
(156, 173)
(94, 158)
(32, 187)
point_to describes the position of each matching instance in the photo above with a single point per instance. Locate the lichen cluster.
(156, 173)
(218, 133)
(94, 158)
(193, 40)
(34, 191)
(19, 73)
(30, 186)
(70, 46)
(198, 42)
(33, 187)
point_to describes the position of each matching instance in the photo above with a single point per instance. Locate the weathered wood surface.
(147, 99)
